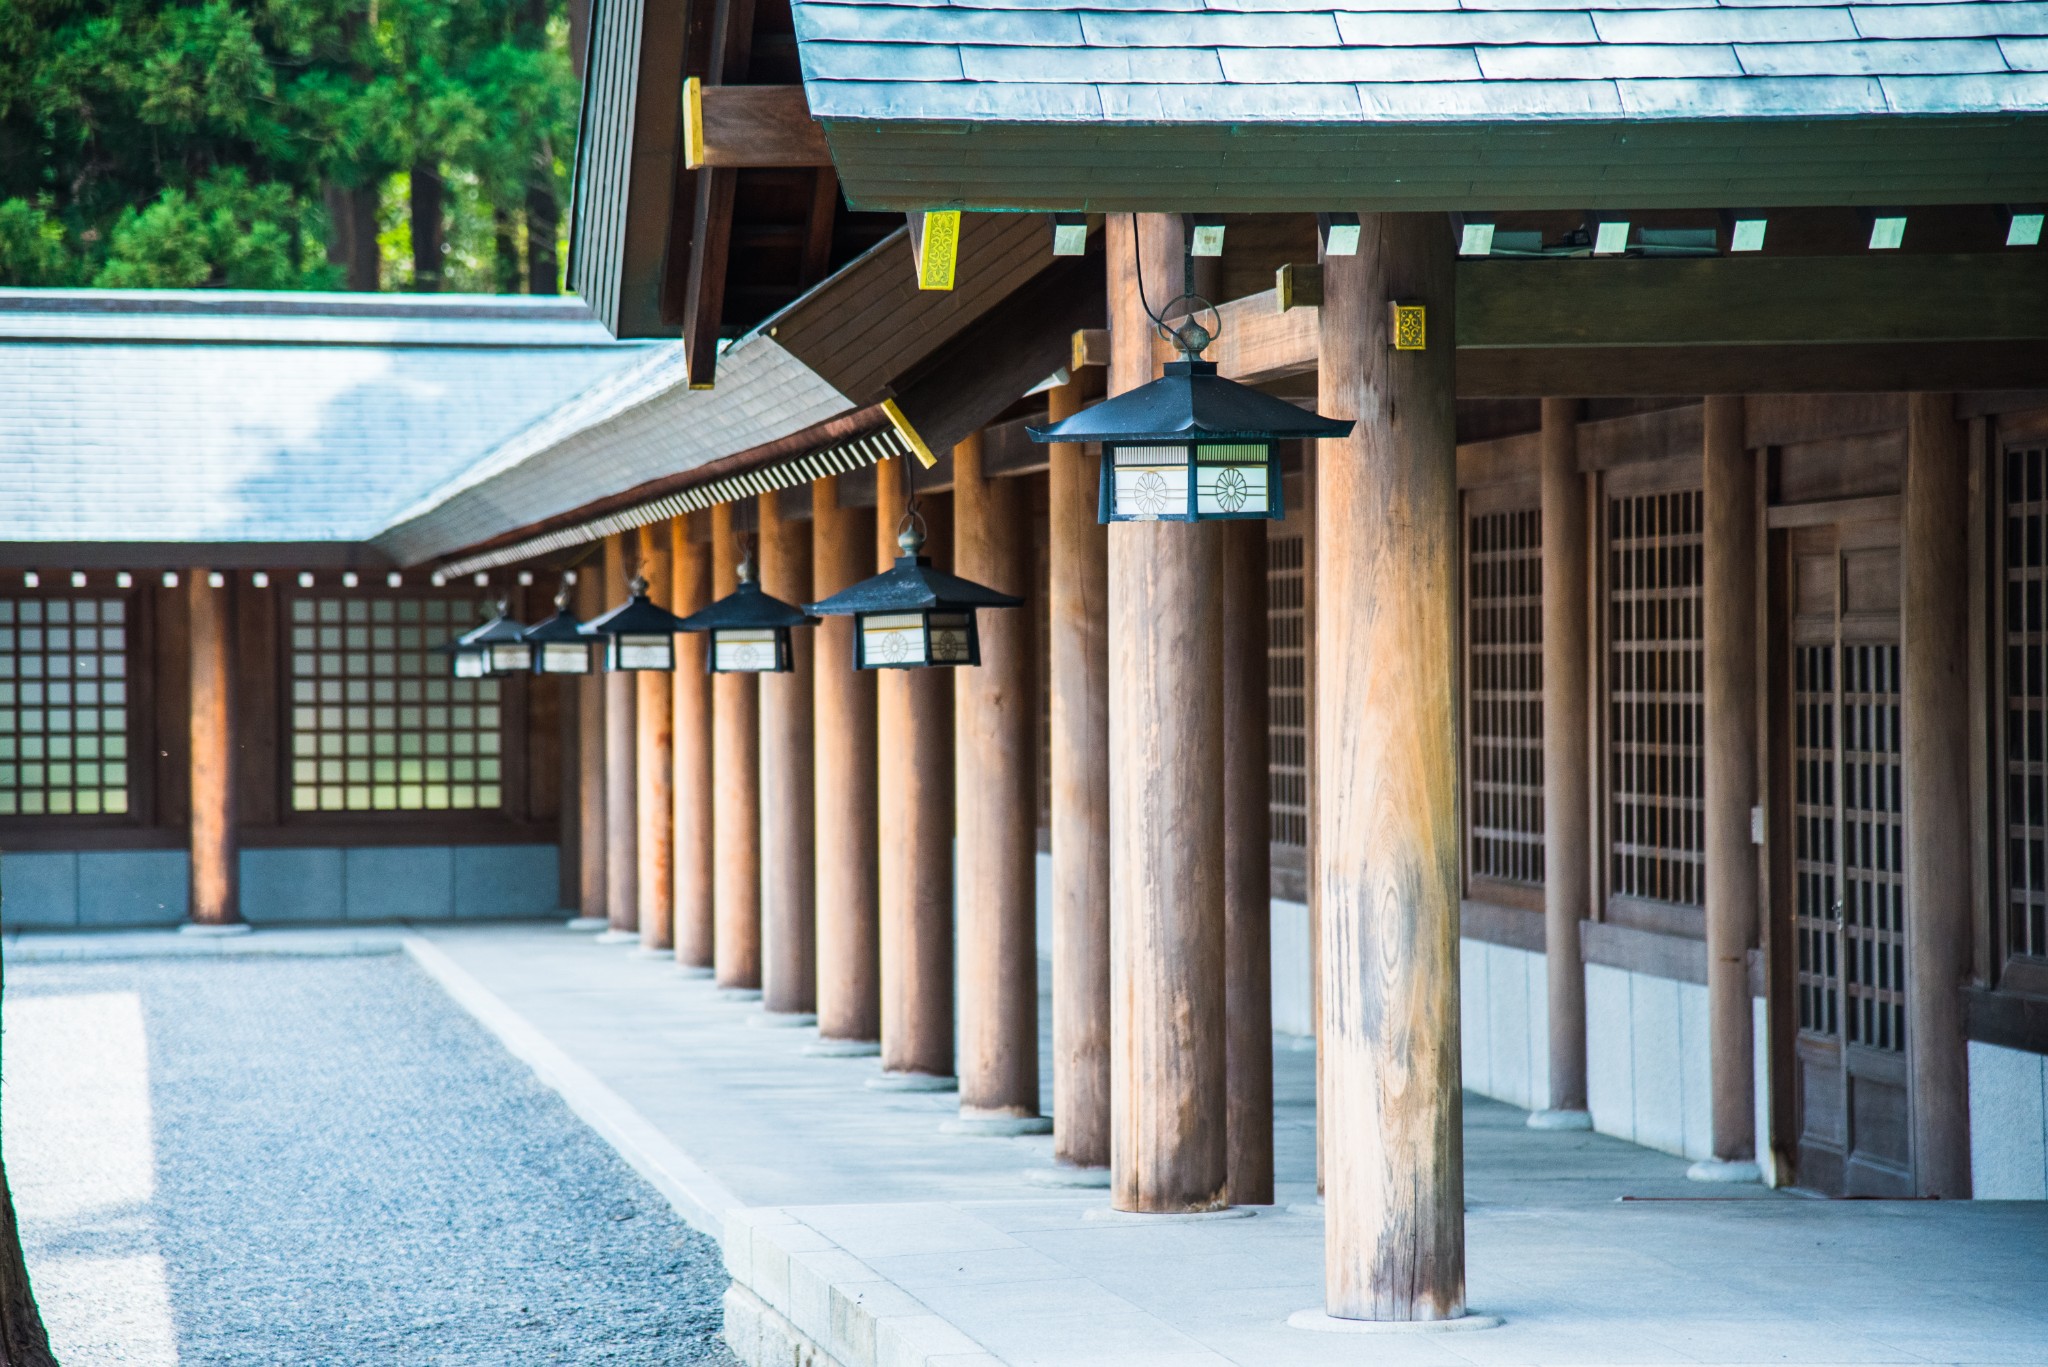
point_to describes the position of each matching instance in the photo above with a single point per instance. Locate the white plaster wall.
(1760, 1069)
(1291, 994)
(2008, 1124)
(1504, 1022)
(1648, 1078)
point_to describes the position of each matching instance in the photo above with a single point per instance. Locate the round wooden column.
(914, 769)
(1567, 798)
(789, 937)
(1728, 572)
(1247, 867)
(594, 839)
(654, 718)
(994, 744)
(1168, 1136)
(736, 794)
(849, 963)
(1935, 729)
(216, 877)
(621, 757)
(1078, 634)
(1387, 804)
(690, 707)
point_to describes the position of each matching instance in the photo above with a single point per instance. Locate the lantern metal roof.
(913, 586)
(637, 616)
(562, 626)
(502, 629)
(747, 606)
(1191, 402)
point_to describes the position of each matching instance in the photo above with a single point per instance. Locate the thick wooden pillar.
(1079, 639)
(594, 836)
(1728, 573)
(690, 707)
(1247, 867)
(216, 880)
(914, 780)
(1567, 812)
(996, 761)
(849, 962)
(654, 719)
(736, 793)
(1935, 730)
(621, 758)
(789, 943)
(1386, 742)
(1169, 1137)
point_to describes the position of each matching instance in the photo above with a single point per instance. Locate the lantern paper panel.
(1198, 483)
(909, 640)
(470, 662)
(748, 650)
(634, 651)
(510, 657)
(562, 657)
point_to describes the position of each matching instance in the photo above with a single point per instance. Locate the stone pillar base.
(913, 1082)
(1560, 1120)
(215, 928)
(1725, 1170)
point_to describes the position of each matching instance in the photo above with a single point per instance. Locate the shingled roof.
(1399, 67)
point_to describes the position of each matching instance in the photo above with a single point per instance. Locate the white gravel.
(322, 1161)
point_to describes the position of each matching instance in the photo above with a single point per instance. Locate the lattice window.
(1816, 870)
(1656, 721)
(377, 724)
(63, 706)
(2026, 701)
(1504, 709)
(1873, 871)
(1287, 688)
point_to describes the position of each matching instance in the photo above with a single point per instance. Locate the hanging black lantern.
(914, 616)
(637, 634)
(749, 630)
(558, 643)
(1191, 446)
(498, 647)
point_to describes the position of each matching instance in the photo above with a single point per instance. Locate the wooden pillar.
(1169, 1139)
(594, 839)
(216, 881)
(654, 807)
(1728, 574)
(690, 707)
(1935, 729)
(1567, 812)
(1247, 868)
(621, 758)
(849, 963)
(1386, 740)
(994, 745)
(736, 793)
(914, 780)
(1079, 640)
(789, 943)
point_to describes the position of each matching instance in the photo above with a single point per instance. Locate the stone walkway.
(297, 1161)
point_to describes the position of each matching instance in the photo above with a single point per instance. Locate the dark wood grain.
(1247, 868)
(761, 125)
(849, 964)
(1567, 749)
(736, 792)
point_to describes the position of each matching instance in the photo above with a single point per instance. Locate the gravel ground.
(285, 1162)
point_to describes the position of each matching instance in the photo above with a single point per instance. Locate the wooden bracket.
(750, 125)
(909, 434)
(935, 245)
(1299, 286)
(1091, 347)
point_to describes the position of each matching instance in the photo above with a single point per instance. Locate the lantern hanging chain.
(1190, 337)
(908, 536)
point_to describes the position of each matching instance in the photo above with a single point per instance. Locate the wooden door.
(1850, 1102)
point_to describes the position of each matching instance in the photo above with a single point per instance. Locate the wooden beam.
(1169, 1145)
(621, 755)
(736, 794)
(849, 967)
(1078, 638)
(789, 945)
(654, 798)
(750, 125)
(728, 48)
(995, 724)
(690, 701)
(1842, 368)
(1247, 869)
(216, 884)
(1387, 804)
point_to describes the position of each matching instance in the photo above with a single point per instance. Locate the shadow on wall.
(132, 888)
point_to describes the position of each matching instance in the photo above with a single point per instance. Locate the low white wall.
(1291, 989)
(1504, 1021)
(2008, 1124)
(1648, 1079)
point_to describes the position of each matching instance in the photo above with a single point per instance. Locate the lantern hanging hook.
(910, 529)
(743, 568)
(1189, 336)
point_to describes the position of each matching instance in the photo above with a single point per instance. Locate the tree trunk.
(543, 273)
(23, 1342)
(428, 237)
(505, 273)
(352, 234)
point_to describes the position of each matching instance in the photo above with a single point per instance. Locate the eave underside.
(1732, 163)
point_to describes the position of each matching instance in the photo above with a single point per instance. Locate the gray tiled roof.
(266, 417)
(1311, 61)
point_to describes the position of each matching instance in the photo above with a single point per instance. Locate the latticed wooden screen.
(1816, 871)
(1873, 869)
(2026, 702)
(63, 705)
(377, 723)
(1287, 688)
(1504, 702)
(1656, 721)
